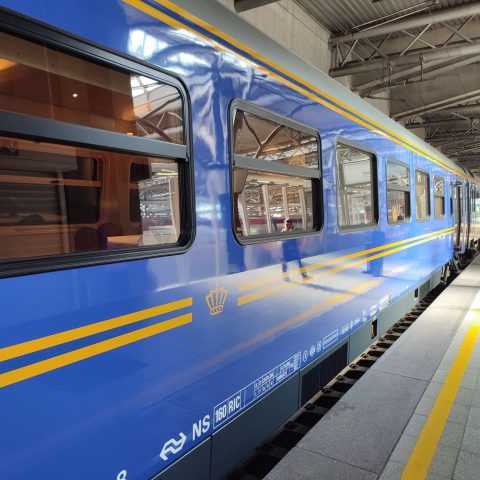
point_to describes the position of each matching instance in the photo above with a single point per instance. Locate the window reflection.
(275, 170)
(43, 82)
(57, 199)
(422, 195)
(267, 140)
(398, 192)
(157, 195)
(439, 196)
(266, 201)
(355, 198)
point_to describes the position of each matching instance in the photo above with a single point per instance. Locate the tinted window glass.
(263, 139)
(57, 199)
(276, 199)
(439, 196)
(266, 201)
(155, 202)
(64, 198)
(398, 192)
(397, 175)
(355, 194)
(398, 206)
(43, 82)
(422, 195)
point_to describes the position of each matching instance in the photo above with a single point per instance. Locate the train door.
(461, 217)
(468, 210)
(458, 216)
(474, 210)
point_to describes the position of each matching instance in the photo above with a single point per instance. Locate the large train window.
(93, 157)
(276, 173)
(398, 192)
(422, 195)
(356, 179)
(439, 196)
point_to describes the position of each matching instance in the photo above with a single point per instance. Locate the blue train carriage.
(197, 231)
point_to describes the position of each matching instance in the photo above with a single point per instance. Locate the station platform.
(415, 414)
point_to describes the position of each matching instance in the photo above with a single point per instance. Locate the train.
(198, 230)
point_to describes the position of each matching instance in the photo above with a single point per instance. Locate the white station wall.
(292, 27)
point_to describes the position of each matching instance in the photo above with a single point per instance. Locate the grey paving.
(444, 461)
(376, 420)
(419, 353)
(392, 471)
(471, 440)
(458, 414)
(372, 430)
(452, 435)
(468, 466)
(302, 465)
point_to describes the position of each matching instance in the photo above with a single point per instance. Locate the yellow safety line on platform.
(60, 338)
(44, 366)
(426, 446)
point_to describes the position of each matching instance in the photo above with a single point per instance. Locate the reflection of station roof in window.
(264, 139)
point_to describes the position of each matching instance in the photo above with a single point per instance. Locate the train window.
(398, 192)
(270, 141)
(275, 176)
(67, 189)
(439, 196)
(422, 195)
(355, 188)
(43, 82)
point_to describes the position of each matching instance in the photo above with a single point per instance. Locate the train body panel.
(139, 361)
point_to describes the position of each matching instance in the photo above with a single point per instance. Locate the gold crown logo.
(216, 300)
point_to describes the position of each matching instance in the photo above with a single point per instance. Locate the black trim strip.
(274, 167)
(54, 131)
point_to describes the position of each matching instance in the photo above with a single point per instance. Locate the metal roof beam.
(469, 157)
(435, 123)
(440, 105)
(456, 31)
(417, 38)
(470, 160)
(450, 137)
(414, 74)
(436, 16)
(455, 151)
(467, 110)
(439, 53)
(244, 5)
